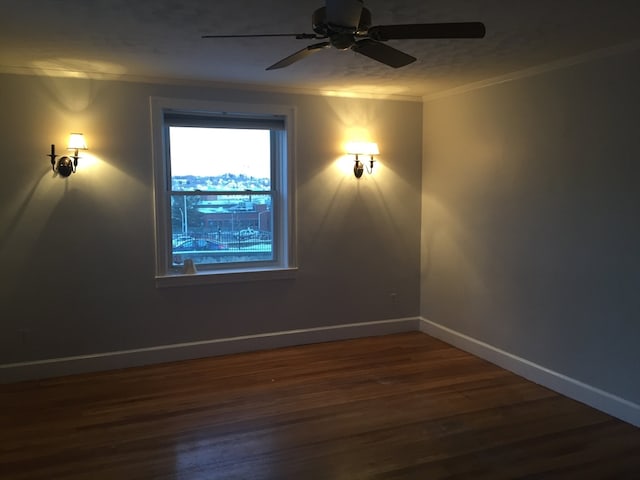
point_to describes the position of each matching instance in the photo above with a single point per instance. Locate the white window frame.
(284, 199)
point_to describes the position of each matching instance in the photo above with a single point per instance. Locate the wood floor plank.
(403, 406)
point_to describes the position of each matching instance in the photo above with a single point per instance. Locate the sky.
(207, 152)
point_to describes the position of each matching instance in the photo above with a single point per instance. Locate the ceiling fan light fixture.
(342, 41)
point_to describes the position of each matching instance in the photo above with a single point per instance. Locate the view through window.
(222, 194)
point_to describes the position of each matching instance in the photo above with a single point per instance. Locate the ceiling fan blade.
(299, 55)
(344, 13)
(427, 30)
(296, 35)
(382, 53)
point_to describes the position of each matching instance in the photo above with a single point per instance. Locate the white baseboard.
(613, 405)
(55, 367)
(594, 397)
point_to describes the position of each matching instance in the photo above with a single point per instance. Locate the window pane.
(220, 159)
(214, 229)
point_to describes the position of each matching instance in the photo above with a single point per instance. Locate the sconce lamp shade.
(76, 142)
(362, 148)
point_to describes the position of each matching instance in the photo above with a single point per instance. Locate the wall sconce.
(66, 165)
(362, 148)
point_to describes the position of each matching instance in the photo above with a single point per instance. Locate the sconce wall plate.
(66, 166)
(358, 168)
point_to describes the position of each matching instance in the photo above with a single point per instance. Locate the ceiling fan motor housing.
(341, 36)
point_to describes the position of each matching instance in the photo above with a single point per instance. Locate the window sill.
(228, 276)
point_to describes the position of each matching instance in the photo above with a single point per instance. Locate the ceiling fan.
(346, 24)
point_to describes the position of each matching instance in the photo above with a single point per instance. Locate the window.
(223, 191)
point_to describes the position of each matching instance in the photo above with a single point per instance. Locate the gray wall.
(530, 219)
(76, 255)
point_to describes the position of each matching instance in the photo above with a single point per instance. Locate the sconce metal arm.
(53, 156)
(370, 167)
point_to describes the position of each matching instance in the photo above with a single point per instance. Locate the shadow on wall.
(70, 265)
(73, 84)
(21, 210)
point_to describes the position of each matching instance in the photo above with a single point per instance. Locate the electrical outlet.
(24, 335)
(394, 300)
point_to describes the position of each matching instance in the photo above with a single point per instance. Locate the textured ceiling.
(134, 39)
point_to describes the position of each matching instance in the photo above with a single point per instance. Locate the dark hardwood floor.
(402, 406)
